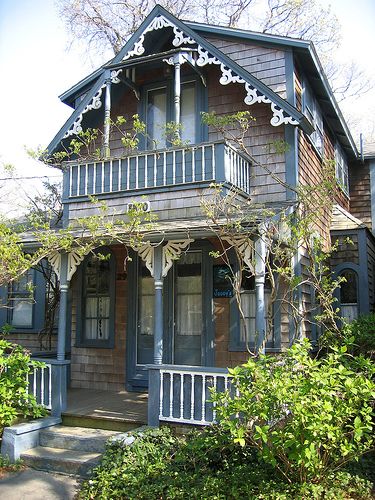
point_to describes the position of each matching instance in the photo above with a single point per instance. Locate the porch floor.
(120, 406)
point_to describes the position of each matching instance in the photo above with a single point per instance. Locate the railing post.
(158, 315)
(260, 317)
(59, 383)
(220, 154)
(153, 395)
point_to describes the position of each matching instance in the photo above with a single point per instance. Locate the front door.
(188, 323)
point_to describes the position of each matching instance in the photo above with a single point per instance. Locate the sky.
(36, 67)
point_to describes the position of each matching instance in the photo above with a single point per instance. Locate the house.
(160, 322)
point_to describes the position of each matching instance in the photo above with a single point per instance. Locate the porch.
(177, 394)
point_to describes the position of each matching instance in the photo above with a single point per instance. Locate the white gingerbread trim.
(114, 76)
(74, 260)
(55, 260)
(245, 247)
(95, 103)
(158, 23)
(253, 95)
(171, 251)
(146, 253)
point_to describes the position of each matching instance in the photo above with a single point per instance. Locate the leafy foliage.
(201, 465)
(15, 401)
(361, 334)
(306, 417)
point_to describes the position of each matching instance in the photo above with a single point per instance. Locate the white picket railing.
(40, 385)
(185, 393)
(213, 162)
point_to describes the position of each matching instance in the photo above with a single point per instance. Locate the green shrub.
(202, 465)
(361, 333)
(304, 416)
(15, 401)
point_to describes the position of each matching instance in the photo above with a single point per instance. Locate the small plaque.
(222, 282)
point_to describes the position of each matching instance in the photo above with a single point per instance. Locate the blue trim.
(372, 193)
(290, 83)
(80, 310)
(363, 284)
(291, 160)
(362, 279)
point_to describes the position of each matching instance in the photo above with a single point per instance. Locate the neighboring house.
(161, 310)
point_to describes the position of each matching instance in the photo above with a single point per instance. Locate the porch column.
(260, 320)
(64, 289)
(158, 316)
(177, 89)
(107, 118)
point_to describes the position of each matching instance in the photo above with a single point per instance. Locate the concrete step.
(76, 438)
(70, 462)
(109, 424)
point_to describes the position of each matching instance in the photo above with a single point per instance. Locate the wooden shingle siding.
(103, 369)
(266, 64)
(230, 99)
(360, 193)
(31, 341)
(347, 250)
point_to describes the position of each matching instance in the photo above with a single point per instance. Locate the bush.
(304, 416)
(202, 465)
(361, 333)
(15, 401)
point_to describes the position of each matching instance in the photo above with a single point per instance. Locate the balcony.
(153, 170)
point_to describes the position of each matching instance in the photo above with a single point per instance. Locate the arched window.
(97, 301)
(349, 295)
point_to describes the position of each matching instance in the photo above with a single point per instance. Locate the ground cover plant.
(300, 428)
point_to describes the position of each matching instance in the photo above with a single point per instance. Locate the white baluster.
(42, 386)
(119, 175)
(86, 178)
(161, 394)
(215, 386)
(102, 176)
(71, 181)
(34, 382)
(78, 178)
(192, 375)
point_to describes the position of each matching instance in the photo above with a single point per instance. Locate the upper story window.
(160, 110)
(349, 295)
(341, 169)
(21, 301)
(312, 110)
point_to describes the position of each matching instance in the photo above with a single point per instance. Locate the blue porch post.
(59, 370)
(260, 320)
(154, 370)
(158, 316)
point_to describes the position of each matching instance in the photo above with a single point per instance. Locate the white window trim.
(313, 112)
(341, 169)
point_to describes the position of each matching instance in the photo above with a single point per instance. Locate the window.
(21, 301)
(159, 110)
(243, 333)
(349, 295)
(96, 304)
(314, 114)
(341, 169)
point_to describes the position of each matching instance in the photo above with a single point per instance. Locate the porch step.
(75, 438)
(72, 462)
(104, 423)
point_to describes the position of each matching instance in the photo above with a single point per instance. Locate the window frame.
(341, 169)
(312, 111)
(81, 340)
(201, 104)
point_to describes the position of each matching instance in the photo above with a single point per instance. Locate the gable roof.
(343, 220)
(231, 72)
